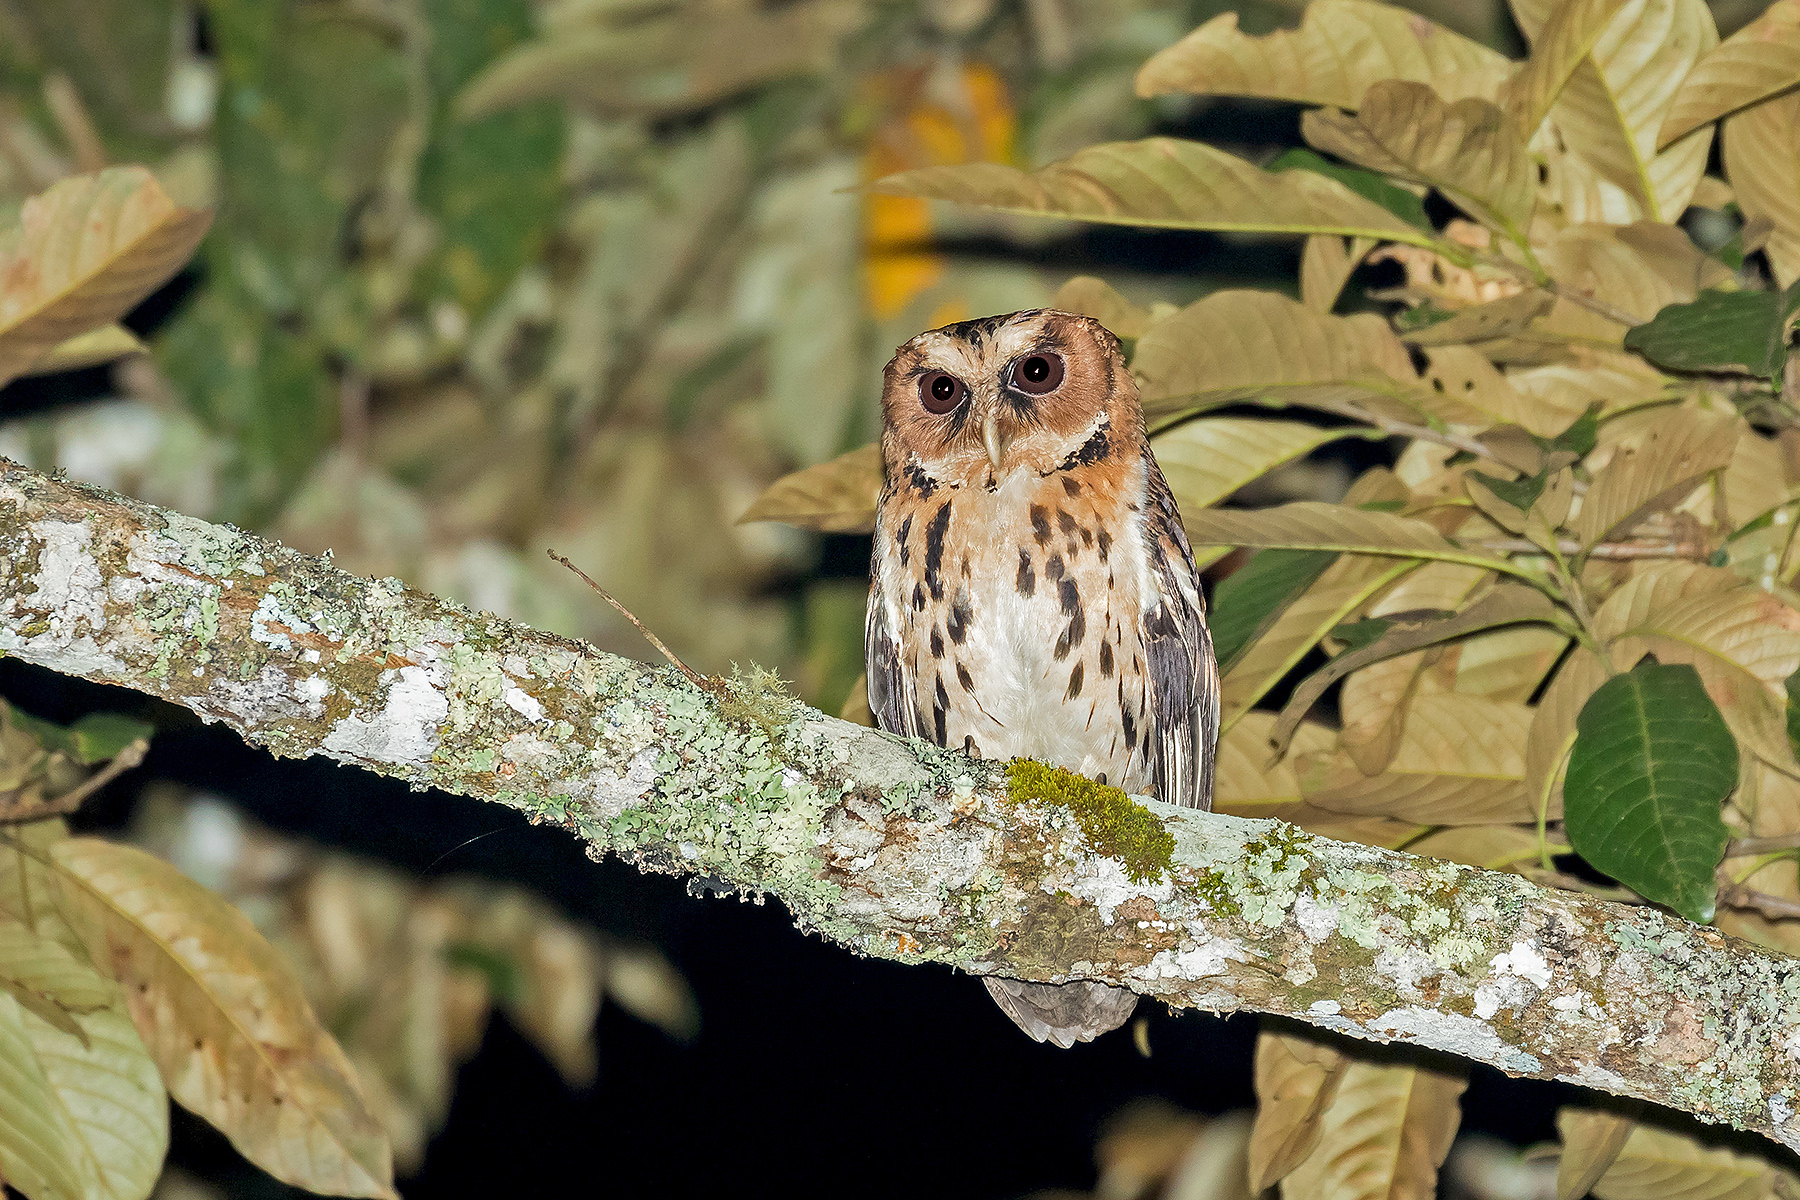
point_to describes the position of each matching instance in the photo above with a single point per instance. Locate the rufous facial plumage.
(1032, 592)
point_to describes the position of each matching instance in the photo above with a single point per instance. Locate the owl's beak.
(990, 437)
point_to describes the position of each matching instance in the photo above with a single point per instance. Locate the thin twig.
(1763, 902)
(1615, 550)
(1745, 847)
(69, 801)
(694, 677)
(1525, 273)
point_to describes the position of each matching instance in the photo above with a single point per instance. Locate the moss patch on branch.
(1111, 822)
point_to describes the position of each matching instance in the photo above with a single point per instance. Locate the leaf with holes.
(225, 1019)
(835, 497)
(1341, 47)
(1652, 762)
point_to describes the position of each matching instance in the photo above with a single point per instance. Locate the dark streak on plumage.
(1069, 598)
(1105, 544)
(1026, 583)
(937, 643)
(1040, 524)
(1106, 660)
(1096, 448)
(957, 623)
(934, 550)
(1071, 485)
(963, 677)
(918, 597)
(900, 539)
(1064, 521)
(919, 481)
(1074, 683)
(1053, 568)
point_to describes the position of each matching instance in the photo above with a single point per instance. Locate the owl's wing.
(893, 692)
(1183, 675)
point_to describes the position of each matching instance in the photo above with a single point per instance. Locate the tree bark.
(888, 847)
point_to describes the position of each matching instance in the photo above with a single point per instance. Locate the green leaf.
(1793, 711)
(1520, 493)
(1652, 761)
(1163, 183)
(1247, 601)
(95, 738)
(1741, 332)
(1397, 200)
(1579, 438)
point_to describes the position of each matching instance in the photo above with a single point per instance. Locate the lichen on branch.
(888, 847)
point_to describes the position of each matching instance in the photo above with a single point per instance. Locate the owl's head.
(975, 401)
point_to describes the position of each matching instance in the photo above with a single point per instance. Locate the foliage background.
(490, 276)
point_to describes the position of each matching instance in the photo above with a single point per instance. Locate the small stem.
(1538, 279)
(1748, 873)
(69, 801)
(1612, 550)
(1744, 847)
(694, 677)
(1737, 896)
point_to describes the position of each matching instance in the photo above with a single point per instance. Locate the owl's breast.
(1018, 612)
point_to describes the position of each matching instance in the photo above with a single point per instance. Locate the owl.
(1032, 593)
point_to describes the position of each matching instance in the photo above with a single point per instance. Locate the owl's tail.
(1062, 1013)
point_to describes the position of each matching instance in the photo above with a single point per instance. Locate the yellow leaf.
(1742, 640)
(1637, 268)
(836, 497)
(1165, 183)
(1495, 847)
(1239, 345)
(112, 1098)
(1762, 160)
(1467, 389)
(1757, 62)
(1375, 697)
(38, 1150)
(1505, 317)
(1296, 1080)
(1096, 298)
(1460, 761)
(1384, 1135)
(90, 349)
(1756, 481)
(1332, 599)
(1341, 47)
(1591, 1142)
(1311, 525)
(1507, 664)
(49, 980)
(82, 254)
(1469, 150)
(1657, 1164)
(1246, 783)
(1558, 47)
(225, 1019)
(1655, 470)
(1612, 107)
(1553, 729)
(1326, 262)
(1208, 459)
(1614, 380)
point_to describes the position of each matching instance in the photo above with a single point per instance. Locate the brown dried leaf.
(1340, 49)
(225, 1019)
(83, 253)
(1467, 150)
(1384, 1135)
(1296, 1080)
(1757, 62)
(1507, 664)
(835, 497)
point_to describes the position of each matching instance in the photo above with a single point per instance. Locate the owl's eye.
(1037, 374)
(941, 393)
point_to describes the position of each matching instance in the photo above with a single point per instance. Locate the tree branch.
(891, 848)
